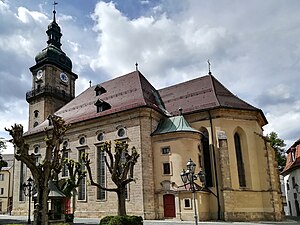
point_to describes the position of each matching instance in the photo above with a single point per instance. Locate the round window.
(36, 150)
(35, 124)
(100, 137)
(82, 140)
(121, 132)
(65, 144)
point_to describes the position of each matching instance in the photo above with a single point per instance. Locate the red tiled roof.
(122, 93)
(291, 165)
(134, 90)
(201, 94)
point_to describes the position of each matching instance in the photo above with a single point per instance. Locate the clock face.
(39, 74)
(64, 77)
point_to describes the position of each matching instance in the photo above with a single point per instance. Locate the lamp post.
(27, 188)
(188, 176)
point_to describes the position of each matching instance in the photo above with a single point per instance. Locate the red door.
(169, 206)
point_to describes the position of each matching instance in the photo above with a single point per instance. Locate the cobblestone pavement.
(5, 219)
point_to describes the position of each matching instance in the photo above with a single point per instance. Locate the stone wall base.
(251, 216)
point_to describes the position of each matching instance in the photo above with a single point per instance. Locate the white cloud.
(27, 16)
(253, 48)
(160, 45)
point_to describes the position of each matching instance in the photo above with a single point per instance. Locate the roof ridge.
(212, 78)
(184, 82)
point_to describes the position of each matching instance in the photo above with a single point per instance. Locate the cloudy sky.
(254, 48)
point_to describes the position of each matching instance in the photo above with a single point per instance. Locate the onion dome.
(53, 53)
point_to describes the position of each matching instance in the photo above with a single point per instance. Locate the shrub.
(118, 220)
(135, 220)
(122, 220)
(69, 217)
(105, 220)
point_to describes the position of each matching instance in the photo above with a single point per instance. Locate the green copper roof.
(54, 192)
(174, 124)
(52, 53)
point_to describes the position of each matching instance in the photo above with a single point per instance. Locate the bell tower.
(53, 82)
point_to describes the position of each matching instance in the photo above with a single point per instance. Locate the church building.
(199, 119)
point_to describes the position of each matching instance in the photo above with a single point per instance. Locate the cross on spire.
(54, 12)
(136, 66)
(209, 72)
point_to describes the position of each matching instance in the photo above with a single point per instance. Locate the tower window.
(36, 113)
(35, 124)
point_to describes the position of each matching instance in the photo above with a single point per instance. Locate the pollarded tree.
(76, 174)
(52, 162)
(120, 164)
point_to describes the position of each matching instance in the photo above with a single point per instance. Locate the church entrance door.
(169, 206)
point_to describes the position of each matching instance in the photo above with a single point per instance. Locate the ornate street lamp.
(27, 188)
(188, 176)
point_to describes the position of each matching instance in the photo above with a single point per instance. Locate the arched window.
(207, 159)
(239, 160)
(36, 113)
(297, 208)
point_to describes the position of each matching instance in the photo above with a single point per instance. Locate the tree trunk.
(121, 201)
(41, 208)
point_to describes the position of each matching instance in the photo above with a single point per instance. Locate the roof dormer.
(102, 105)
(99, 90)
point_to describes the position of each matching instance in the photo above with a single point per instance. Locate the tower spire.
(54, 33)
(54, 11)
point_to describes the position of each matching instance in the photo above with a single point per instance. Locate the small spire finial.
(54, 12)
(209, 72)
(136, 66)
(90, 83)
(180, 111)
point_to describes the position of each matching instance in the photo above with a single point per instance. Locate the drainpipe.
(215, 167)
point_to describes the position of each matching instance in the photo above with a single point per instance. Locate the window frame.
(2, 176)
(170, 168)
(240, 160)
(184, 203)
(163, 148)
(65, 171)
(84, 199)
(98, 170)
